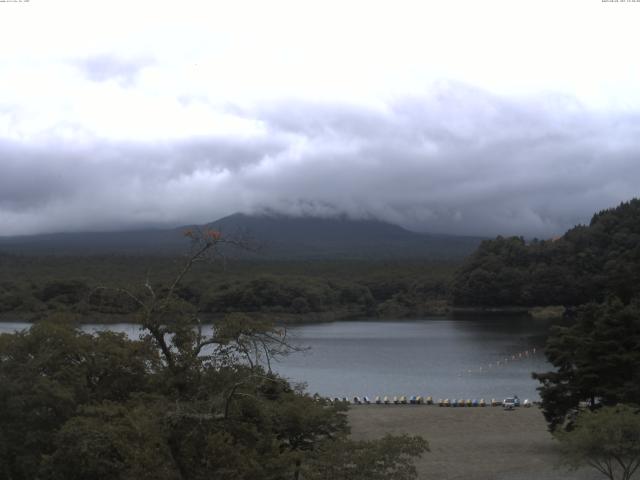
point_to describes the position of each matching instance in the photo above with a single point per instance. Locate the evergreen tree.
(588, 263)
(597, 361)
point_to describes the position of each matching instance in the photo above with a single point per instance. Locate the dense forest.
(588, 263)
(297, 268)
(33, 287)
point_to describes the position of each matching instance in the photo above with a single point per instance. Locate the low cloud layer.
(455, 160)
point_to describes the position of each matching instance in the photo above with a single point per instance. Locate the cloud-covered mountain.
(458, 160)
(271, 237)
(406, 112)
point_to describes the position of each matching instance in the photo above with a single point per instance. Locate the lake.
(482, 357)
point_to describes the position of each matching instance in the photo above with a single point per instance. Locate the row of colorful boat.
(418, 400)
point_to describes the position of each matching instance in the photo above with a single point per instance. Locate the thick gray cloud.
(458, 160)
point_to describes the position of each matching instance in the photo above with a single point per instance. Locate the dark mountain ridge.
(277, 236)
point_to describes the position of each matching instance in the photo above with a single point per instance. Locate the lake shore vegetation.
(177, 404)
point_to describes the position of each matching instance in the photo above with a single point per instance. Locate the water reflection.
(438, 357)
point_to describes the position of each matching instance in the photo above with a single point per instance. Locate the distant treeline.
(588, 263)
(35, 287)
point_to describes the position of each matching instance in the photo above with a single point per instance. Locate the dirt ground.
(471, 443)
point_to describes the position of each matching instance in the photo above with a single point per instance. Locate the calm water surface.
(452, 358)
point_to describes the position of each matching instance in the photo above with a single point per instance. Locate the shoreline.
(285, 318)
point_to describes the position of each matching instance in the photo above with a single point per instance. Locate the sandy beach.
(471, 443)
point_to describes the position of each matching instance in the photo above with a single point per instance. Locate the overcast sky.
(471, 117)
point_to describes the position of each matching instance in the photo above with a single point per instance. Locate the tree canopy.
(607, 440)
(597, 360)
(588, 263)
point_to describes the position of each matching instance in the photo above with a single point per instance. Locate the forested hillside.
(588, 263)
(309, 268)
(33, 287)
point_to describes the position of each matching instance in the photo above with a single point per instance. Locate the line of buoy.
(524, 354)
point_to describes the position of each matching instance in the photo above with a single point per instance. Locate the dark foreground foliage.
(78, 406)
(597, 362)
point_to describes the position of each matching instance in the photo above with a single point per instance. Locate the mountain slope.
(277, 237)
(313, 237)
